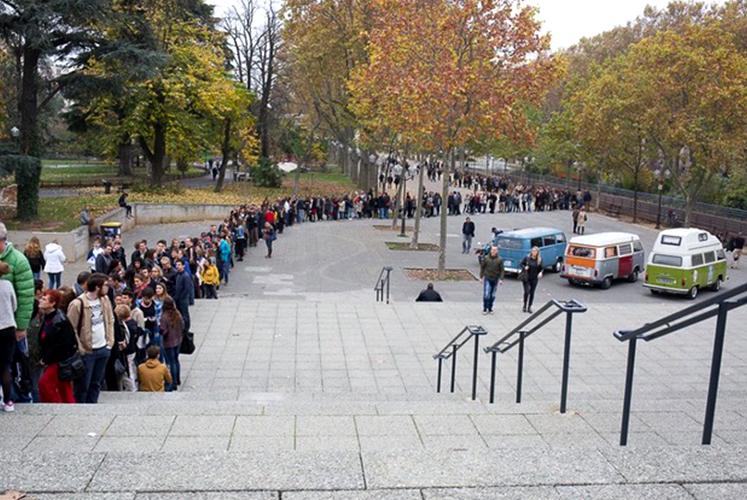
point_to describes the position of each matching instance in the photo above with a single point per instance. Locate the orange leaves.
(441, 72)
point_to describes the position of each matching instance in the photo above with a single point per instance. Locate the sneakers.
(490, 311)
(8, 407)
(484, 312)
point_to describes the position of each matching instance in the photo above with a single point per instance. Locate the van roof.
(604, 239)
(531, 232)
(690, 241)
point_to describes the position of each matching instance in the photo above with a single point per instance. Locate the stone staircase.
(339, 402)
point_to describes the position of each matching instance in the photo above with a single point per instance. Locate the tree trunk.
(156, 157)
(225, 153)
(444, 220)
(125, 156)
(418, 209)
(599, 193)
(635, 197)
(28, 105)
(689, 203)
(395, 208)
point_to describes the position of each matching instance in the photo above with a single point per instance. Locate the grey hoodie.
(8, 305)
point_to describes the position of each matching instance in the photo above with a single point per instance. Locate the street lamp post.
(16, 135)
(404, 204)
(658, 214)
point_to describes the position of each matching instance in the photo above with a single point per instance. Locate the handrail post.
(520, 369)
(388, 272)
(454, 348)
(628, 391)
(566, 361)
(474, 367)
(718, 350)
(492, 376)
(440, 366)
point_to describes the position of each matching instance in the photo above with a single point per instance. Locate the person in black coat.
(182, 292)
(531, 266)
(57, 342)
(468, 232)
(429, 295)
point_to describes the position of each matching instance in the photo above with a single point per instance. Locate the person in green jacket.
(21, 278)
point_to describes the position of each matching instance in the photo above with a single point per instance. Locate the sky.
(567, 20)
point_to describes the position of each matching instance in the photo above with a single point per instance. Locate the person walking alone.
(582, 220)
(468, 232)
(269, 236)
(738, 243)
(575, 214)
(531, 272)
(491, 274)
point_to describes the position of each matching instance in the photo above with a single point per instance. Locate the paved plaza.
(304, 388)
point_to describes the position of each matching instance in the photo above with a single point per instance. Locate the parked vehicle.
(685, 261)
(513, 246)
(599, 259)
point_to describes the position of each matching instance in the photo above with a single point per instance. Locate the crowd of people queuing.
(486, 193)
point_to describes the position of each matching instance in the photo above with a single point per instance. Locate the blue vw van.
(513, 246)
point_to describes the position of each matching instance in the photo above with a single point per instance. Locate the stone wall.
(76, 243)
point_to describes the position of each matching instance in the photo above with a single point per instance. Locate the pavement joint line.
(96, 471)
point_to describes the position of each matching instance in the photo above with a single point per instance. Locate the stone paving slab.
(211, 471)
(624, 492)
(511, 467)
(50, 472)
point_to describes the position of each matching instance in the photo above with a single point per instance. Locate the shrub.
(267, 174)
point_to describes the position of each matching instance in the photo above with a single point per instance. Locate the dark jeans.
(172, 361)
(88, 387)
(7, 349)
(183, 308)
(488, 294)
(55, 280)
(529, 288)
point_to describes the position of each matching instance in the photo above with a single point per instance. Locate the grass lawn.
(95, 173)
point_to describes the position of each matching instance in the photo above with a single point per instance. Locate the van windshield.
(588, 253)
(509, 243)
(667, 260)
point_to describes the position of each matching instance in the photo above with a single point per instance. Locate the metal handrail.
(382, 284)
(718, 306)
(518, 336)
(451, 349)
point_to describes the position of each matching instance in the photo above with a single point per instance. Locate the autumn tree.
(441, 72)
(324, 41)
(686, 94)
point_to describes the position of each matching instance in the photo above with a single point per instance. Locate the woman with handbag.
(172, 330)
(57, 346)
(531, 272)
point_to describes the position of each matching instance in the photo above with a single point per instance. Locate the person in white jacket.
(54, 267)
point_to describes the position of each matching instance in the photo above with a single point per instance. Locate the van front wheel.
(692, 293)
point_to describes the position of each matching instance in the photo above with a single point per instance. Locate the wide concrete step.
(529, 473)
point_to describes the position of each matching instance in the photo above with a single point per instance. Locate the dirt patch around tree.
(430, 274)
(405, 247)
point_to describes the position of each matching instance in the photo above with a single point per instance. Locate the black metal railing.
(518, 336)
(382, 284)
(452, 349)
(717, 306)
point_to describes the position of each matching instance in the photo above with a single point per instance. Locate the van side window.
(537, 242)
(610, 252)
(560, 237)
(549, 240)
(710, 257)
(626, 249)
(720, 255)
(637, 246)
(697, 259)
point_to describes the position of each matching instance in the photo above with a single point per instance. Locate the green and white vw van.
(684, 261)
